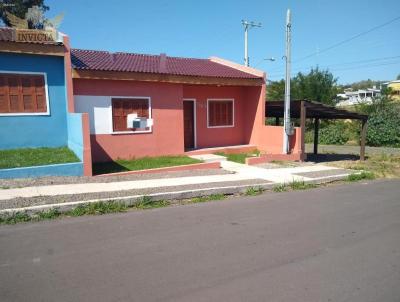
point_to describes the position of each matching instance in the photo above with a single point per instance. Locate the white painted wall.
(100, 112)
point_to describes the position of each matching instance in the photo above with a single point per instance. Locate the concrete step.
(209, 158)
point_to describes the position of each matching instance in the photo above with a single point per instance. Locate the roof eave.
(157, 77)
(246, 69)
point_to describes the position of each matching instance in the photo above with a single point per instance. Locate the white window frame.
(194, 119)
(44, 74)
(233, 112)
(130, 131)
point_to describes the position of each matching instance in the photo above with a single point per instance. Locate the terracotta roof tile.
(160, 64)
(6, 34)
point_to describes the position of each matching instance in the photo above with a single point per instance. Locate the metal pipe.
(286, 120)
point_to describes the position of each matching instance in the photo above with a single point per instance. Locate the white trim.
(44, 74)
(251, 70)
(233, 113)
(194, 119)
(129, 97)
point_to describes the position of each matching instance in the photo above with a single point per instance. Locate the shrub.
(334, 134)
(384, 127)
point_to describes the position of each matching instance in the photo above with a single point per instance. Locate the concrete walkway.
(241, 173)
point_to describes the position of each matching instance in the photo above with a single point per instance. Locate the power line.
(348, 39)
(347, 63)
(348, 68)
(339, 64)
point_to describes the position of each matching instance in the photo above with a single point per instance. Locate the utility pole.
(286, 117)
(247, 25)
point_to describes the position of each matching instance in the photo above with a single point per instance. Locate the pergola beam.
(363, 139)
(316, 131)
(303, 114)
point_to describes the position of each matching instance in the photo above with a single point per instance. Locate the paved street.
(340, 243)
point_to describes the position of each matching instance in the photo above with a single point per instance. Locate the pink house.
(187, 105)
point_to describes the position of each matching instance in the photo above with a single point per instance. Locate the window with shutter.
(121, 107)
(22, 93)
(220, 113)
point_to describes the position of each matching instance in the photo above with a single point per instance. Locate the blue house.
(36, 103)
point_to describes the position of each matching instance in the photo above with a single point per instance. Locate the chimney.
(163, 63)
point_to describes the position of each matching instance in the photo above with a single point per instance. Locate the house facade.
(34, 101)
(395, 89)
(193, 104)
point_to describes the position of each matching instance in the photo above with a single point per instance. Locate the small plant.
(301, 185)
(360, 176)
(147, 203)
(207, 198)
(51, 214)
(280, 188)
(253, 191)
(98, 208)
(15, 218)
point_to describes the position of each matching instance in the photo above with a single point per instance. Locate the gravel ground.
(338, 149)
(57, 180)
(41, 200)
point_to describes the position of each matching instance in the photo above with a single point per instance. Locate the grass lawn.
(239, 157)
(143, 163)
(383, 165)
(15, 158)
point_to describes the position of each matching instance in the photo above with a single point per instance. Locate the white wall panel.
(99, 109)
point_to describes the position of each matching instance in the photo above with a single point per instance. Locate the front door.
(188, 124)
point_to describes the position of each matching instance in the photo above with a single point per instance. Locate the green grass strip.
(360, 176)
(143, 163)
(239, 157)
(28, 157)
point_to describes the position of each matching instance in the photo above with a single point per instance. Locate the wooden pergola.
(307, 109)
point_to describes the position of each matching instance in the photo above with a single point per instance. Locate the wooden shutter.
(22, 93)
(122, 107)
(220, 113)
(14, 94)
(4, 104)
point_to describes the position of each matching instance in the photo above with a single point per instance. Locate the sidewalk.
(240, 173)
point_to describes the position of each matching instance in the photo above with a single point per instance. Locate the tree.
(19, 8)
(398, 77)
(276, 90)
(318, 85)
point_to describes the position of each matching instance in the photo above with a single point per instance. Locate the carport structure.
(303, 109)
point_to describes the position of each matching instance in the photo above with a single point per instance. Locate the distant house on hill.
(361, 96)
(395, 87)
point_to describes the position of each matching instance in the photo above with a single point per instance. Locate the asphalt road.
(340, 243)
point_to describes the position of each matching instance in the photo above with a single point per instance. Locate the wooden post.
(363, 139)
(277, 121)
(316, 130)
(303, 129)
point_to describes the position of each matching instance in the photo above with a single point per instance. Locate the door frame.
(194, 120)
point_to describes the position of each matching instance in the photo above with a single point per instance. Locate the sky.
(205, 28)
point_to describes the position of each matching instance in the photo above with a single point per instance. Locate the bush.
(384, 127)
(334, 134)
